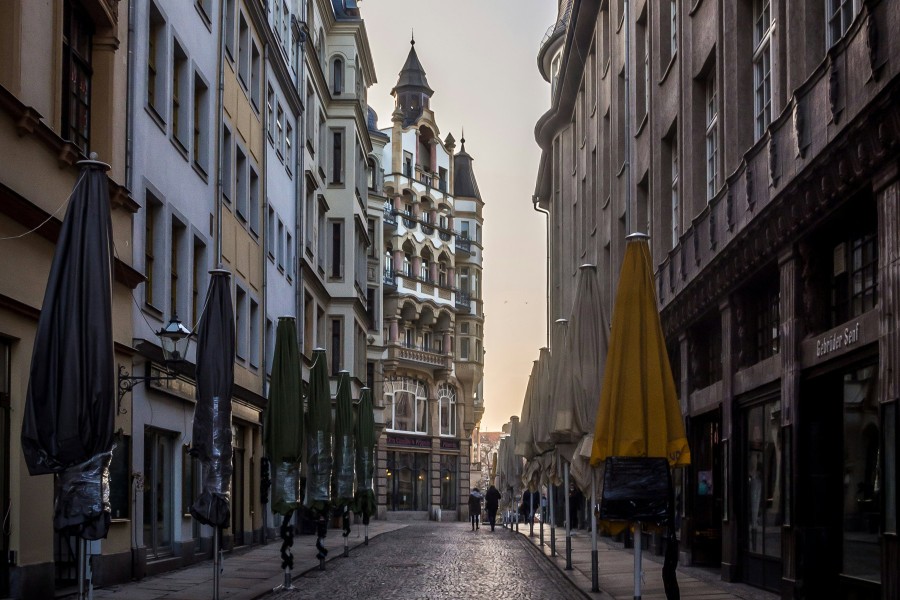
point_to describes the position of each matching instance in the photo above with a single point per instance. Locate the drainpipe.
(220, 93)
(534, 201)
(264, 223)
(300, 174)
(129, 102)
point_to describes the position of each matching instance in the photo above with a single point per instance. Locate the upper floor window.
(854, 281)
(337, 156)
(447, 408)
(840, 15)
(407, 405)
(156, 61)
(78, 31)
(712, 137)
(676, 203)
(337, 76)
(763, 26)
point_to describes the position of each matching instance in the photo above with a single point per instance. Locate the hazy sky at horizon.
(480, 58)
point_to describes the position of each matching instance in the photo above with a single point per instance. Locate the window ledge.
(200, 171)
(156, 117)
(642, 125)
(179, 146)
(669, 67)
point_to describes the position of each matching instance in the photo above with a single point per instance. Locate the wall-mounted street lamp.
(173, 339)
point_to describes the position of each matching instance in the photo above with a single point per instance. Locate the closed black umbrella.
(319, 430)
(67, 425)
(69, 414)
(365, 459)
(284, 435)
(344, 453)
(211, 441)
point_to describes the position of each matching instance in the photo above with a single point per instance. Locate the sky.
(480, 58)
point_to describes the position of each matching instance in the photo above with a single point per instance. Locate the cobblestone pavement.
(430, 561)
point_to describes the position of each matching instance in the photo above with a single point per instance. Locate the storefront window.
(862, 476)
(407, 481)
(448, 482)
(763, 468)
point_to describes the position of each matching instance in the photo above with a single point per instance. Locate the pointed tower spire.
(412, 92)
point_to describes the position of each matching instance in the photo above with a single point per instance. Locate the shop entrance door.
(706, 511)
(761, 495)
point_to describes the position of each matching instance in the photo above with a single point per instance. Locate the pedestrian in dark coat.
(491, 504)
(475, 499)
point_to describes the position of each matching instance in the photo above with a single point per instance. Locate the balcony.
(463, 300)
(390, 279)
(427, 229)
(408, 221)
(418, 355)
(390, 215)
(445, 236)
(463, 245)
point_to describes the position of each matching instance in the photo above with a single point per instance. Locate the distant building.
(428, 378)
(763, 144)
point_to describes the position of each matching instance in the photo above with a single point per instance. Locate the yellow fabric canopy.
(639, 413)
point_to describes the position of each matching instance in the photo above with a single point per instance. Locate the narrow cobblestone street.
(439, 560)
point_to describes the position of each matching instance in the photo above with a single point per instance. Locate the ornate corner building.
(431, 359)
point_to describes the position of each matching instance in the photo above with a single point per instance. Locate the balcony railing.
(463, 245)
(390, 278)
(390, 215)
(444, 235)
(463, 300)
(419, 355)
(427, 229)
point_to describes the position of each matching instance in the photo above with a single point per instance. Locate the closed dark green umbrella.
(284, 419)
(284, 435)
(319, 429)
(365, 459)
(344, 453)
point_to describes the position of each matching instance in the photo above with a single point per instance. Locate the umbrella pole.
(568, 520)
(216, 563)
(287, 557)
(552, 522)
(637, 561)
(541, 508)
(595, 569)
(82, 569)
(346, 534)
(530, 513)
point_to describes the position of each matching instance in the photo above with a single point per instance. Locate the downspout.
(300, 177)
(264, 223)
(129, 102)
(627, 111)
(534, 201)
(220, 93)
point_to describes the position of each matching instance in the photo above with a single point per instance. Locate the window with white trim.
(763, 26)
(446, 396)
(712, 136)
(406, 402)
(840, 14)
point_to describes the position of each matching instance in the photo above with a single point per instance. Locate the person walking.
(475, 507)
(491, 504)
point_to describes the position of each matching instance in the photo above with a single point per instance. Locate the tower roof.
(412, 75)
(464, 184)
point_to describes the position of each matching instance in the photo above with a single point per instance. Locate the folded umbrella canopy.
(284, 435)
(542, 409)
(211, 441)
(67, 425)
(639, 413)
(344, 444)
(365, 457)
(319, 430)
(523, 445)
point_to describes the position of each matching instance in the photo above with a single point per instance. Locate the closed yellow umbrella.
(639, 414)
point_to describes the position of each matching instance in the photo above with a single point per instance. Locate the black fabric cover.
(636, 489)
(211, 441)
(70, 404)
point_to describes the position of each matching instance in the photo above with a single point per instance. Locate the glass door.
(762, 504)
(706, 511)
(158, 493)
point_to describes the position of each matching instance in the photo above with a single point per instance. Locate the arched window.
(447, 409)
(337, 76)
(407, 404)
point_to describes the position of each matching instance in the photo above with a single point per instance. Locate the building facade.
(756, 143)
(432, 316)
(63, 84)
(219, 119)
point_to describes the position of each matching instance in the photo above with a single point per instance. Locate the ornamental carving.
(681, 254)
(696, 237)
(800, 126)
(729, 209)
(712, 229)
(748, 186)
(813, 317)
(872, 41)
(773, 160)
(833, 89)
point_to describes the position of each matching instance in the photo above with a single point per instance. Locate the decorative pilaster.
(887, 200)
